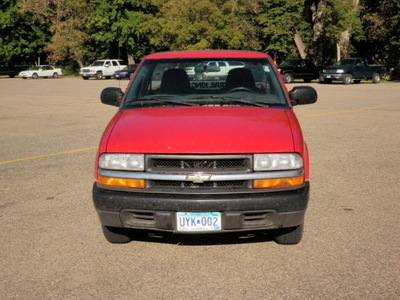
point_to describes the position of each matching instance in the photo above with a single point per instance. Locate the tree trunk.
(316, 17)
(344, 41)
(131, 60)
(299, 44)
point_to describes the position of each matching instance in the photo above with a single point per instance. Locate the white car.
(44, 71)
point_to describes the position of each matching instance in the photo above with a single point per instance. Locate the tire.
(116, 235)
(85, 78)
(35, 76)
(55, 75)
(99, 75)
(288, 77)
(376, 78)
(288, 236)
(199, 76)
(321, 78)
(347, 79)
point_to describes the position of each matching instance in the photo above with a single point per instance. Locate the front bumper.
(334, 76)
(240, 212)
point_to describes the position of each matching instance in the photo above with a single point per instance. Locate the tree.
(335, 22)
(115, 28)
(21, 38)
(66, 19)
(381, 21)
(279, 21)
(207, 24)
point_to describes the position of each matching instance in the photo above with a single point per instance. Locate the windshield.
(206, 82)
(98, 63)
(289, 63)
(345, 62)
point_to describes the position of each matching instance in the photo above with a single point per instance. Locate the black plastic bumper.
(238, 211)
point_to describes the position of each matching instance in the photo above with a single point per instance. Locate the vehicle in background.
(299, 69)
(352, 69)
(193, 156)
(126, 73)
(102, 68)
(11, 70)
(210, 70)
(44, 71)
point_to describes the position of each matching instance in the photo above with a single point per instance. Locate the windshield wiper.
(164, 99)
(232, 99)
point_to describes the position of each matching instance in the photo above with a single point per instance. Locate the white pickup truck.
(213, 69)
(102, 68)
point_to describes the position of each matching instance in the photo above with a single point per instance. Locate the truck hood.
(201, 130)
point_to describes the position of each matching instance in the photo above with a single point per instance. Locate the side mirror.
(112, 96)
(303, 95)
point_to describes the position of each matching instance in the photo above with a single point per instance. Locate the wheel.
(376, 78)
(35, 76)
(85, 78)
(99, 75)
(55, 75)
(288, 236)
(347, 79)
(240, 88)
(199, 76)
(288, 78)
(116, 235)
(321, 78)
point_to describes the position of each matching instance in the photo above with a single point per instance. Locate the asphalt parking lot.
(52, 247)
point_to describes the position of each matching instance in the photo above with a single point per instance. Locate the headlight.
(277, 161)
(340, 71)
(125, 162)
(324, 71)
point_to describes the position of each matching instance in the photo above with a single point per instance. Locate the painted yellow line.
(46, 155)
(347, 111)
(303, 117)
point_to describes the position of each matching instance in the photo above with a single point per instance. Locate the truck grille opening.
(236, 184)
(238, 163)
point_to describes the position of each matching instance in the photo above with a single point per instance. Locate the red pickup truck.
(203, 156)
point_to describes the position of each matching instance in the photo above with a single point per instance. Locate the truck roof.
(207, 53)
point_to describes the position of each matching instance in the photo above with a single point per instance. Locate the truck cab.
(190, 156)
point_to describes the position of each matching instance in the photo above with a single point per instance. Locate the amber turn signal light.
(278, 182)
(122, 182)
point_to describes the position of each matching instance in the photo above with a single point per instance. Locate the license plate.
(189, 221)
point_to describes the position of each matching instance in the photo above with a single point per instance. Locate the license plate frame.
(198, 221)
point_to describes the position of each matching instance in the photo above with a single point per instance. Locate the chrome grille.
(213, 164)
(207, 164)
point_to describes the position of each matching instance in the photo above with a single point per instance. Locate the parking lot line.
(347, 111)
(303, 117)
(46, 155)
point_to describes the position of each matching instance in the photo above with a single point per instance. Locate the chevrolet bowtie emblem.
(198, 177)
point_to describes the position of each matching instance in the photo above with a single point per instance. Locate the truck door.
(359, 69)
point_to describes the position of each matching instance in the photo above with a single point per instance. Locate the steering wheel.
(240, 88)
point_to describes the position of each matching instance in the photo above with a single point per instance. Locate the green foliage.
(278, 20)
(21, 38)
(76, 32)
(204, 24)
